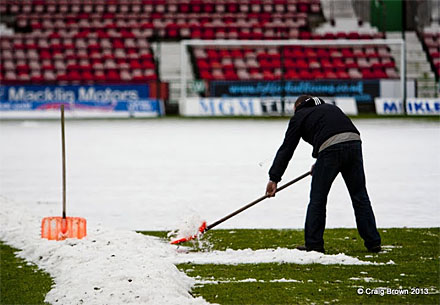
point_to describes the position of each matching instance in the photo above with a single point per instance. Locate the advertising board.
(364, 91)
(274, 106)
(87, 101)
(414, 106)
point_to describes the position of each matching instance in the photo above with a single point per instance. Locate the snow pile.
(106, 267)
(279, 255)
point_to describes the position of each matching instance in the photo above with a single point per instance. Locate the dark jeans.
(344, 158)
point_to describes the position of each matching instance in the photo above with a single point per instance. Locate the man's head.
(301, 99)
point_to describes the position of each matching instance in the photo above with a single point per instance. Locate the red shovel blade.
(202, 229)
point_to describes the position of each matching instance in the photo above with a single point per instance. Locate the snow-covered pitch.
(151, 174)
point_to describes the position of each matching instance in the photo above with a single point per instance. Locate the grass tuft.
(21, 283)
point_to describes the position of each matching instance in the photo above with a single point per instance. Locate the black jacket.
(315, 122)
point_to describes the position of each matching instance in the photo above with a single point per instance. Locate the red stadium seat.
(305, 74)
(341, 73)
(230, 74)
(317, 74)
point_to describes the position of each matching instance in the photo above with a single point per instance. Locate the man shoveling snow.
(337, 146)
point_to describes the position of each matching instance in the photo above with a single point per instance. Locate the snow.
(189, 226)
(212, 281)
(279, 255)
(106, 267)
(111, 266)
(366, 279)
(283, 280)
(144, 174)
(388, 248)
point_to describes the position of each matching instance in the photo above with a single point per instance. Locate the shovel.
(203, 227)
(60, 228)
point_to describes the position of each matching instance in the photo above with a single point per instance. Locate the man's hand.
(271, 188)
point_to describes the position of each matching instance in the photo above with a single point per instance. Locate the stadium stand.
(54, 58)
(252, 19)
(110, 41)
(297, 62)
(217, 63)
(275, 63)
(431, 41)
(58, 41)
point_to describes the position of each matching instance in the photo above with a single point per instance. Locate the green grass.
(416, 255)
(20, 283)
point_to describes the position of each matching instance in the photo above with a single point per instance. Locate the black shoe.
(304, 248)
(375, 249)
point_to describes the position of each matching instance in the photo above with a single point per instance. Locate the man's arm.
(285, 152)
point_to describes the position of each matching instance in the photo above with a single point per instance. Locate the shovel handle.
(209, 227)
(63, 152)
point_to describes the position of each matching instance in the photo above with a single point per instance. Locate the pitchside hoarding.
(363, 91)
(414, 106)
(81, 101)
(252, 106)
